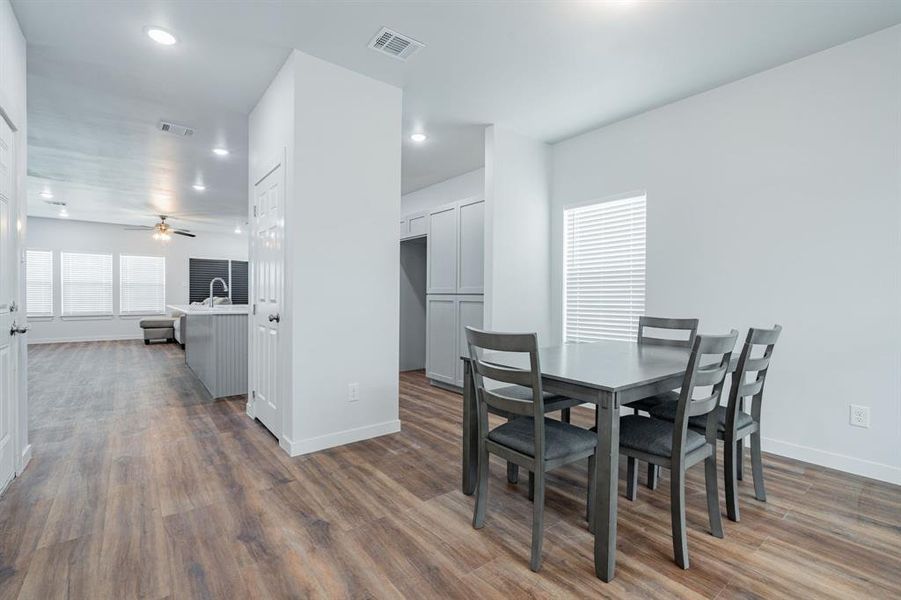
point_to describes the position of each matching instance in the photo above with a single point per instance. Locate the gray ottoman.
(158, 329)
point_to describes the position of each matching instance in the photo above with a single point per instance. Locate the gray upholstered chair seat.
(552, 402)
(667, 412)
(646, 404)
(157, 323)
(560, 439)
(653, 436)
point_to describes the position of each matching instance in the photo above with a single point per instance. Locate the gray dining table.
(608, 374)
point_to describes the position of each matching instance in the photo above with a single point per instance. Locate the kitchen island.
(215, 342)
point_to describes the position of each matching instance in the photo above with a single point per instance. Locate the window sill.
(141, 315)
(39, 318)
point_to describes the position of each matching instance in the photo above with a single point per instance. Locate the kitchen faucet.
(224, 286)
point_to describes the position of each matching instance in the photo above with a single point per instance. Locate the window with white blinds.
(604, 270)
(87, 284)
(142, 284)
(39, 283)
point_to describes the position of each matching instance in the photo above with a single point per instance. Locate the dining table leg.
(606, 481)
(470, 431)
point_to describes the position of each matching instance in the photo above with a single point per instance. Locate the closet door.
(441, 356)
(470, 275)
(470, 313)
(442, 272)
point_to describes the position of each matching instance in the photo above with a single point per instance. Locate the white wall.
(62, 235)
(13, 102)
(517, 271)
(776, 199)
(342, 267)
(463, 186)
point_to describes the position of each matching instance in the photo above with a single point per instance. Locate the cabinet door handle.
(275, 318)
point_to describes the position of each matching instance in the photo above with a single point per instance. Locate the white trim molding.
(831, 460)
(89, 338)
(24, 460)
(339, 438)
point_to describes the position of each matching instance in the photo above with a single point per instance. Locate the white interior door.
(268, 268)
(8, 264)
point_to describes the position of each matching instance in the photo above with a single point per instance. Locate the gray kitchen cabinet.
(418, 225)
(441, 338)
(470, 313)
(442, 254)
(471, 247)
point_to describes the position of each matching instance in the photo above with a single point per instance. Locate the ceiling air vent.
(394, 44)
(55, 203)
(175, 129)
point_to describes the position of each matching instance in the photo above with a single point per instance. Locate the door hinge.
(254, 210)
(253, 394)
(254, 308)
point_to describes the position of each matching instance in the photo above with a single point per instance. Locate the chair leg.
(677, 515)
(631, 479)
(757, 467)
(512, 472)
(589, 509)
(653, 476)
(565, 415)
(729, 475)
(739, 456)
(531, 486)
(537, 518)
(713, 495)
(478, 517)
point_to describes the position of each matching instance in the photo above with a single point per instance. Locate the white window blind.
(604, 270)
(87, 284)
(39, 283)
(142, 284)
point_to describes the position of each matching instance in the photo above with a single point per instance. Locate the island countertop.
(221, 309)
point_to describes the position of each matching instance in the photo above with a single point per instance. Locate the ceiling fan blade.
(184, 233)
(139, 228)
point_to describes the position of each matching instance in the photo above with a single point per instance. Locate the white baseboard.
(24, 460)
(839, 462)
(339, 438)
(89, 338)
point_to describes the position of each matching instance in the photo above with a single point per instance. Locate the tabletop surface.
(606, 365)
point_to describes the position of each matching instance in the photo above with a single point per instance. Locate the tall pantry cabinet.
(454, 284)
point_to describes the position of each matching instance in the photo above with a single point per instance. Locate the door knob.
(275, 318)
(16, 329)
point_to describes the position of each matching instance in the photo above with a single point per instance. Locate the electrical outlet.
(860, 416)
(353, 392)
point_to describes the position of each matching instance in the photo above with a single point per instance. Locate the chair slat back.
(756, 368)
(480, 341)
(687, 325)
(707, 368)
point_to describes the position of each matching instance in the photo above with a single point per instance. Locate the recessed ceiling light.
(64, 213)
(46, 195)
(220, 151)
(160, 36)
(199, 187)
(238, 230)
(418, 137)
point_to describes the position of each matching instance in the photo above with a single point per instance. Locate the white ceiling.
(97, 85)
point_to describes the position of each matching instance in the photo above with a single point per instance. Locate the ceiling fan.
(162, 230)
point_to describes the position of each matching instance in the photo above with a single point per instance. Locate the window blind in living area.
(39, 283)
(604, 270)
(142, 284)
(87, 284)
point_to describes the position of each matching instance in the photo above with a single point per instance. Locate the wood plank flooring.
(143, 487)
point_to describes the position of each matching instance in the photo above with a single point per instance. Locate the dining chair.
(733, 423)
(689, 329)
(677, 447)
(529, 440)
